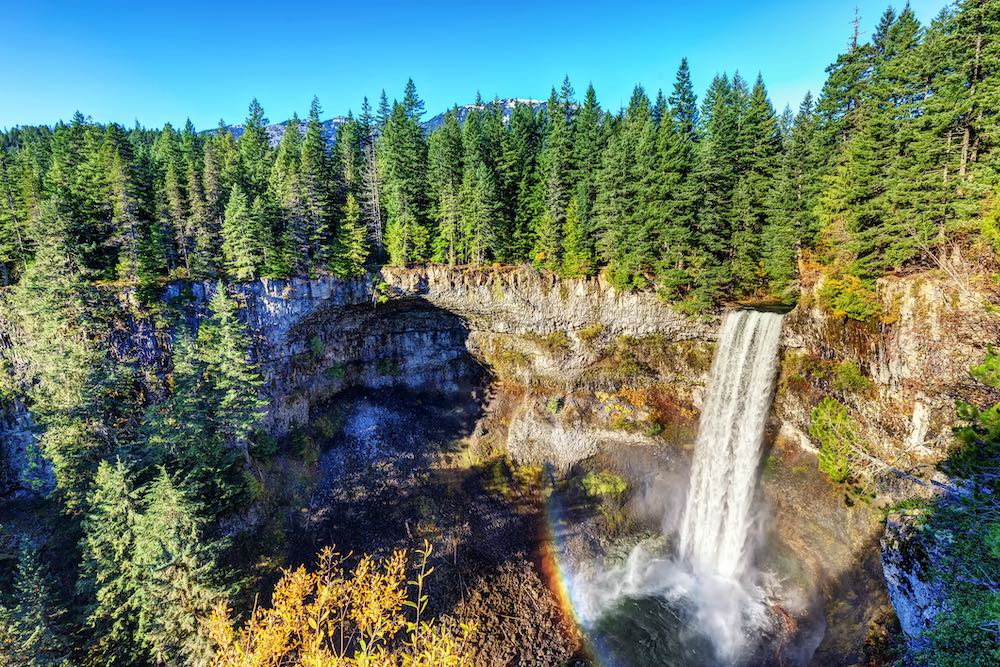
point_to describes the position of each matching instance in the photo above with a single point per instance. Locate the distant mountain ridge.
(275, 131)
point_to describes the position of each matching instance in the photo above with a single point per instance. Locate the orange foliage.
(332, 618)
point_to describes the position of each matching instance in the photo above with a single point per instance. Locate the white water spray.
(711, 575)
(716, 528)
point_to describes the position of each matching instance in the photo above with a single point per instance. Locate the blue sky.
(158, 62)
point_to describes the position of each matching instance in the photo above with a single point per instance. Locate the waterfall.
(715, 531)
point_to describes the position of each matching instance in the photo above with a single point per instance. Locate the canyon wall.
(575, 368)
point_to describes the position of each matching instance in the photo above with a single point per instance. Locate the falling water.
(716, 528)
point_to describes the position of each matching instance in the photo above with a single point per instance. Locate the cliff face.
(439, 327)
(444, 328)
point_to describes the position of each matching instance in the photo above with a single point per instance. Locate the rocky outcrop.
(443, 327)
(912, 366)
(908, 559)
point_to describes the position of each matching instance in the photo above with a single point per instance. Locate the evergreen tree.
(480, 211)
(577, 259)
(108, 575)
(287, 193)
(523, 146)
(622, 198)
(446, 177)
(315, 182)
(15, 210)
(242, 243)
(177, 588)
(589, 141)
(254, 153)
(716, 175)
(760, 138)
(235, 380)
(351, 246)
(792, 219)
(403, 160)
(31, 631)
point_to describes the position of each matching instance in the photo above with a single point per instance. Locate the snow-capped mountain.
(463, 111)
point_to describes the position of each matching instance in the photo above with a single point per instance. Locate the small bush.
(849, 297)
(316, 347)
(328, 425)
(590, 332)
(335, 372)
(847, 377)
(603, 483)
(263, 445)
(835, 431)
(554, 404)
(555, 342)
(654, 429)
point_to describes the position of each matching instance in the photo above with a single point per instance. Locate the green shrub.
(555, 342)
(603, 483)
(849, 297)
(553, 404)
(328, 425)
(847, 377)
(590, 332)
(654, 429)
(835, 431)
(387, 367)
(316, 347)
(335, 372)
(624, 280)
(263, 445)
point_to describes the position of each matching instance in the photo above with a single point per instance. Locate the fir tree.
(108, 575)
(31, 631)
(314, 180)
(225, 348)
(351, 246)
(241, 238)
(177, 588)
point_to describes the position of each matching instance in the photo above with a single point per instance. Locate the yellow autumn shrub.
(329, 617)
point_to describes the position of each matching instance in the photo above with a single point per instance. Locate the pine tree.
(717, 175)
(351, 245)
(314, 178)
(30, 625)
(446, 167)
(254, 153)
(557, 173)
(761, 140)
(480, 211)
(225, 348)
(15, 245)
(792, 219)
(108, 575)
(524, 146)
(242, 246)
(177, 588)
(589, 141)
(287, 194)
(403, 160)
(577, 259)
(61, 357)
(622, 198)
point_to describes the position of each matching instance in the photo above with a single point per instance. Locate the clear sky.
(158, 62)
